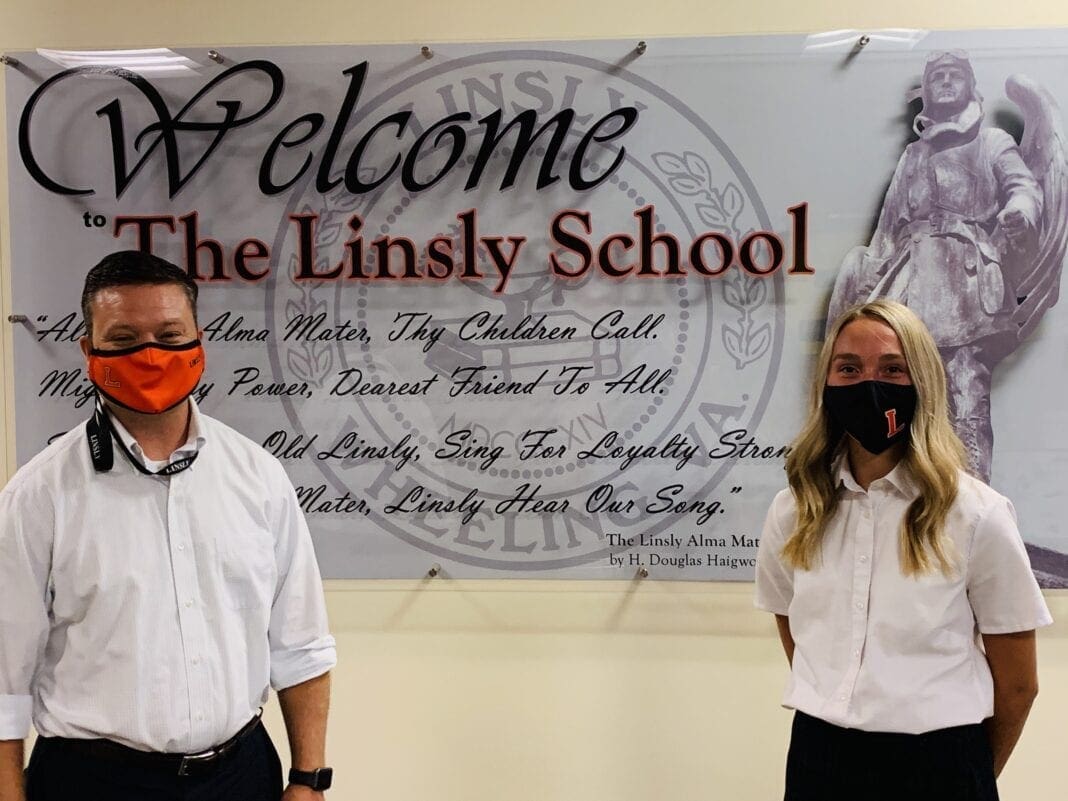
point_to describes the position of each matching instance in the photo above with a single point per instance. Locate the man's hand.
(1014, 225)
(298, 792)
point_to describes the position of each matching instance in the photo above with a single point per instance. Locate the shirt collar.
(900, 478)
(194, 441)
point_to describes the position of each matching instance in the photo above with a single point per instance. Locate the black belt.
(174, 764)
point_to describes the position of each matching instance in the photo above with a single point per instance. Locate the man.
(958, 226)
(158, 578)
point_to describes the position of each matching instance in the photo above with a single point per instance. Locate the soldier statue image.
(971, 236)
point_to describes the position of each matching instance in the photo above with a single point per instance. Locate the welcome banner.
(550, 309)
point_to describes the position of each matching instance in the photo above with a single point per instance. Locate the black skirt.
(829, 763)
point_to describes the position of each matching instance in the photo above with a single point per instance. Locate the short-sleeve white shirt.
(880, 651)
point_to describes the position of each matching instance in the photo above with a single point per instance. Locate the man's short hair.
(133, 268)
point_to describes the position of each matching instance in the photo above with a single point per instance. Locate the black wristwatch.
(319, 779)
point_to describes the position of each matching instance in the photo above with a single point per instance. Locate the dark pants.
(59, 772)
(829, 763)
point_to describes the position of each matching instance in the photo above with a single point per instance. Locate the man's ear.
(86, 346)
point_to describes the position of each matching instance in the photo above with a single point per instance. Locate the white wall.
(546, 691)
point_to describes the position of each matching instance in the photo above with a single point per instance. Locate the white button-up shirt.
(880, 651)
(154, 611)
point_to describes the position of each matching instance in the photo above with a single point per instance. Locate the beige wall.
(546, 691)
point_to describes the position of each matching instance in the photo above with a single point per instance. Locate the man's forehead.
(139, 292)
(951, 68)
(947, 65)
(141, 304)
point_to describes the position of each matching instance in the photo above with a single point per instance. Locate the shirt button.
(196, 660)
(181, 546)
(860, 604)
(863, 559)
(188, 603)
(856, 652)
(200, 716)
(841, 697)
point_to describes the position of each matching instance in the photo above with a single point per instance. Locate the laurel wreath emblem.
(721, 208)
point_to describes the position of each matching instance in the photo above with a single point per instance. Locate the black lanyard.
(100, 433)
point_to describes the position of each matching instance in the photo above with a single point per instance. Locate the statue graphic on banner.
(971, 237)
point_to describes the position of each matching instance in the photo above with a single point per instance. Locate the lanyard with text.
(101, 433)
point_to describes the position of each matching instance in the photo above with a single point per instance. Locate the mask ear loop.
(98, 433)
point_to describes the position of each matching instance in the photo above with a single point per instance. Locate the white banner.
(550, 309)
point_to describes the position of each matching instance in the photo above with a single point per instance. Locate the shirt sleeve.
(299, 635)
(25, 566)
(1002, 590)
(774, 580)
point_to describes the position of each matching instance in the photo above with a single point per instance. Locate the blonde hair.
(934, 454)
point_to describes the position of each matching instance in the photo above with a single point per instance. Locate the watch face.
(324, 777)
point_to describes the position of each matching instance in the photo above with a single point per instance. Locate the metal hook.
(17, 318)
(435, 569)
(864, 41)
(642, 573)
(215, 56)
(9, 61)
(641, 48)
(426, 51)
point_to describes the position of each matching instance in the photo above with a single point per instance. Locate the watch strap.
(319, 779)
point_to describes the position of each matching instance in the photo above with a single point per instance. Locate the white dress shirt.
(880, 651)
(154, 611)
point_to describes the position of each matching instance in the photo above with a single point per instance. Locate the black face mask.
(875, 413)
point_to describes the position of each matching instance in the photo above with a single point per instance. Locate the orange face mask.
(149, 378)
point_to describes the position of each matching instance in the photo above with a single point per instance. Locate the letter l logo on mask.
(892, 427)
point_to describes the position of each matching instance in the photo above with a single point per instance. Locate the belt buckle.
(194, 760)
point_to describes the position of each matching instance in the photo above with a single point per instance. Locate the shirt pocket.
(247, 568)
